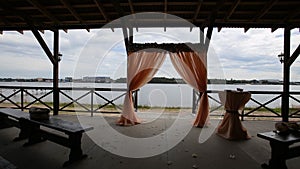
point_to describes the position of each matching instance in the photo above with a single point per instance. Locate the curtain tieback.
(232, 111)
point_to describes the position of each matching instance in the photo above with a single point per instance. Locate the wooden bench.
(32, 130)
(4, 164)
(281, 148)
(12, 117)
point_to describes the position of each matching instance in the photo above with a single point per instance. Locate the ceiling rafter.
(8, 9)
(165, 14)
(232, 9)
(265, 9)
(131, 7)
(293, 14)
(73, 12)
(43, 10)
(212, 17)
(197, 10)
(3, 20)
(273, 29)
(133, 13)
(124, 25)
(102, 10)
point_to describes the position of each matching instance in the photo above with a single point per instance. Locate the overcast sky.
(233, 53)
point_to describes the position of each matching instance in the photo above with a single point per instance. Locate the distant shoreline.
(159, 80)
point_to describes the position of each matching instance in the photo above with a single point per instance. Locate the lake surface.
(154, 95)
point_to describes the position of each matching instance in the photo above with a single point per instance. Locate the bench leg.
(76, 151)
(279, 154)
(34, 134)
(24, 131)
(4, 122)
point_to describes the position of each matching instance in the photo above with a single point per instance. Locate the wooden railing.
(25, 97)
(18, 98)
(256, 110)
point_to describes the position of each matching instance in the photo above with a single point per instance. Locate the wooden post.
(22, 98)
(55, 72)
(92, 102)
(194, 102)
(286, 76)
(54, 58)
(201, 36)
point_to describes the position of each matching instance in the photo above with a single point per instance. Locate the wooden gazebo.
(38, 16)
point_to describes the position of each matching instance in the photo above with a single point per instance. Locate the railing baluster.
(92, 102)
(22, 99)
(194, 102)
(136, 100)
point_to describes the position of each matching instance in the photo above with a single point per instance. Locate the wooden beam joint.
(294, 56)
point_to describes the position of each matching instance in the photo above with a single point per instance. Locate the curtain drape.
(141, 67)
(191, 66)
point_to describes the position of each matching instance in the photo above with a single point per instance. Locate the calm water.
(162, 95)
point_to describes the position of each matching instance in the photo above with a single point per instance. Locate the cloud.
(253, 54)
(233, 53)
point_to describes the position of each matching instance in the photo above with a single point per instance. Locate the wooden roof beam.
(219, 29)
(21, 31)
(212, 17)
(246, 29)
(197, 10)
(117, 6)
(265, 9)
(273, 29)
(27, 19)
(294, 55)
(43, 44)
(293, 14)
(43, 10)
(4, 20)
(73, 12)
(102, 11)
(133, 13)
(131, 6)
(232, 9)
(165, 15)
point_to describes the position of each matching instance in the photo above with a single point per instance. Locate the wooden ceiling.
(86, 14)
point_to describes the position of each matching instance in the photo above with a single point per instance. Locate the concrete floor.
(214, 153)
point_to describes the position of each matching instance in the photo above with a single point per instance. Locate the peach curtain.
(141, 67)
(191, 66)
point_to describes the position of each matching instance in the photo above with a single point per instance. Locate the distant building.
(216, 81)
(40, 79)
(68, 79)
(269, 81)
(97, 79)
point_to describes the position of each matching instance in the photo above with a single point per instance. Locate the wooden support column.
(286, 76)
(56, 72)
(54, 58)
(130, 35)
(126, 38)
(201, 36)
(208, 37)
